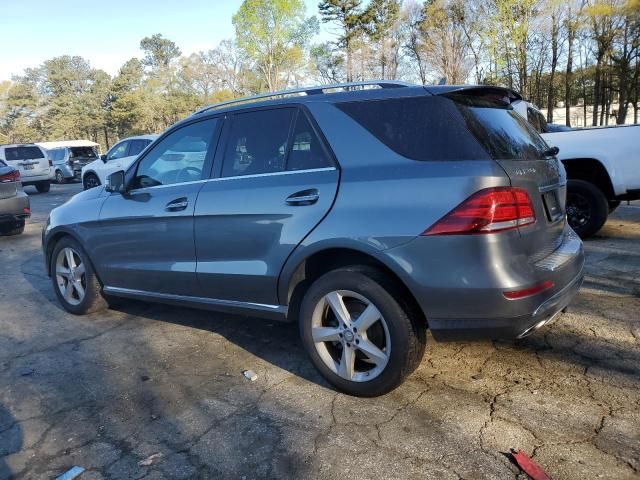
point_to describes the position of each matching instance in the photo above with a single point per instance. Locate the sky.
(108, 32)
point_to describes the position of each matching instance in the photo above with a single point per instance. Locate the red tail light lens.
(13, 176)
(487, 211)
(527, 292)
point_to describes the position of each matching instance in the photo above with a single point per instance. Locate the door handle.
(177, 205)
(305, 197)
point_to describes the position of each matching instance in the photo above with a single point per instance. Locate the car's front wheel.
(358, 333)
(74, 280)
(90, 180)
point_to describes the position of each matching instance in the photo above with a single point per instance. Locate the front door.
(276, 183)
(146, 235)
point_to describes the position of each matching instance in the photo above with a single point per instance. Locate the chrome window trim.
(256, 175)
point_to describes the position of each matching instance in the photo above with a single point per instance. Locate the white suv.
(32, 163)
(119, 157)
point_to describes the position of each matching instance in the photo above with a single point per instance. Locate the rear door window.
(307, 151)
(23, 153)
(257, 142)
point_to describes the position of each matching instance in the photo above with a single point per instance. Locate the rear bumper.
(515, 327)
(460, 281)
(32, 180)
(12, 210)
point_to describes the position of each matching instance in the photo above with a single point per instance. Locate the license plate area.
(28, 166)
(552, 206)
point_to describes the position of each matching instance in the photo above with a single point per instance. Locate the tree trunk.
(596, 91)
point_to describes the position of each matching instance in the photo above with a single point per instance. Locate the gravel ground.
(108, 390)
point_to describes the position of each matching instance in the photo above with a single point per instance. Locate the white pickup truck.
(602, 164)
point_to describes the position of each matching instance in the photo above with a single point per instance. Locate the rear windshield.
(22, 153)
(87, 152)
(436, 128)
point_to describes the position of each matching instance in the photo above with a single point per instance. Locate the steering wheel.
(192, 171)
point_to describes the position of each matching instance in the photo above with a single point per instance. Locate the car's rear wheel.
(74, 280)
(59, 177)
(358, 333)
(90, 181)
(43, 187)
(587, 207)
(12, 228)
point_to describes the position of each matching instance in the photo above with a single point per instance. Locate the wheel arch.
(590, 170)
(51, 242)
(90, 172)
(295, 280)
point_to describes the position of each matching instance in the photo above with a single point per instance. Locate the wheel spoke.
(347, 361)
(335, 301)
(68, 292)
(79, 289)
(325, 334)
(367, 318)
(376, 355)
(80, 269)
(68, 253)
(63, 271)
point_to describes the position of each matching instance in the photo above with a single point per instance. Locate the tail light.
(527, 292)
(12, 176)
(488, 211)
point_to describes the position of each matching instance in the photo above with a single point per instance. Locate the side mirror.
(115, 182)
(103, 157)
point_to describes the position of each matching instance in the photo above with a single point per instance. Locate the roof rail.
(317, 90)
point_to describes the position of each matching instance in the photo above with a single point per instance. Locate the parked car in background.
(602, 166)
(32, 162)
(69, 157)
(119, 157)
(366, 215)
(14, 203)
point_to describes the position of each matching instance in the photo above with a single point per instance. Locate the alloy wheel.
(91, 182)
(351, 336)
(70, 276)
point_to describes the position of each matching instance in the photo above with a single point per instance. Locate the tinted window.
(307, 151)
(177, 158)
(22, 153)
(257, 142)
(137, 146)
(119, 151)
(501, 131)
(448, 128)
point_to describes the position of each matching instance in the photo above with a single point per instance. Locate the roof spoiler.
(476, 90)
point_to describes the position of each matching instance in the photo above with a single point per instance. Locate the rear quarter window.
(454, 127)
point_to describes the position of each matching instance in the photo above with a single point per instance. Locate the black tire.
(90, 180)
(12, 229)
(93, 299)
(587, 207)
(59, 178)
(406, 332)
(43, 187)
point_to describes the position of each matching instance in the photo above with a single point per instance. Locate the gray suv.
(367, 215)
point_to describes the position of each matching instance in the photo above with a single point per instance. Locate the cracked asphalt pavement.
(108, 390)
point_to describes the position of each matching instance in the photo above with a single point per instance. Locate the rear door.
(524, 155)
(28, 159)
(274, 182)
